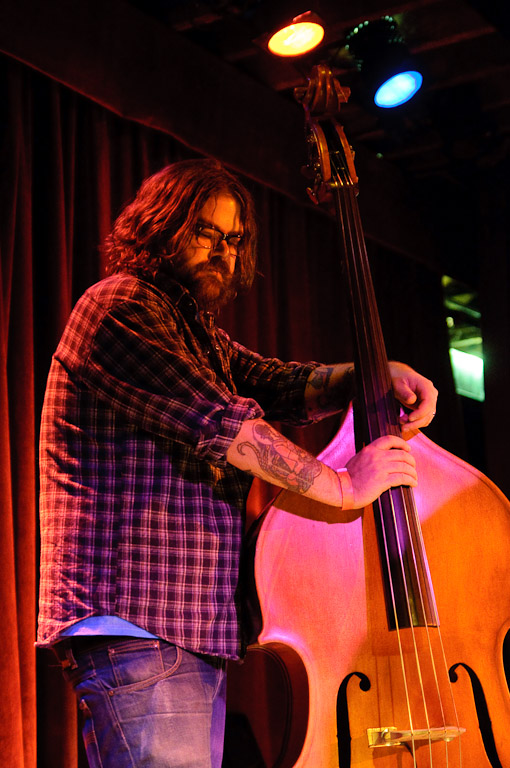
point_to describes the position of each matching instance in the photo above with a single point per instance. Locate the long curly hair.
(161, 220)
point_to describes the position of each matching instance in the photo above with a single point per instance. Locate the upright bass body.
(321, 596)
(389, 621)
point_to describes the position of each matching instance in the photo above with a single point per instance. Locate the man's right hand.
(382, 464)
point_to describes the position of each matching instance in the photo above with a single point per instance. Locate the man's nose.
(221, 249)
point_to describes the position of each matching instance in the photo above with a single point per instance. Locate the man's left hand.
(416, 393)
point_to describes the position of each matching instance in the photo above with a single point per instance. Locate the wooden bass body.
(321, 598)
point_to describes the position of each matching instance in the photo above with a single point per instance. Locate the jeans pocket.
(137, 664)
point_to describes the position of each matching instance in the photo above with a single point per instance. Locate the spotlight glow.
(296, 39)
(398, 89)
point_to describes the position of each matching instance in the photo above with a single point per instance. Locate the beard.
(211, 284)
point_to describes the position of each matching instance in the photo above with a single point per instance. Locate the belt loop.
(64, 653)
(70, 662)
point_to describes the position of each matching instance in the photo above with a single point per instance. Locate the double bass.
(382, 634)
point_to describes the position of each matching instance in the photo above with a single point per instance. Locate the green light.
(468, 374)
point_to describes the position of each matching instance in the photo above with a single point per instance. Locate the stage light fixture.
(380, 53)
(304, 33)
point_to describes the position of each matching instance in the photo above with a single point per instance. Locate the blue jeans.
(146, 703)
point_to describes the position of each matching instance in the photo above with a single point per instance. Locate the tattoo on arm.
(281, 459)
(319, 379)
(330, 397)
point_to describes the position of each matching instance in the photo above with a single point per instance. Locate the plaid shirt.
(141, 515)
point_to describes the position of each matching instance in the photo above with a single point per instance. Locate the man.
(153, 424)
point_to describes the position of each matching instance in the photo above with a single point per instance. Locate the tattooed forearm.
(328, 389)
(262, 451)
(280, 459)
(319, 378)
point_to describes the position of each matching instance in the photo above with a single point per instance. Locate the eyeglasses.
(210, 237)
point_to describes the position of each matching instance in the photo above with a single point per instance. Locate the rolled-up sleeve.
(278, 386)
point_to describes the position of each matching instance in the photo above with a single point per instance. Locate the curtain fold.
(17, 435)
(68, 167)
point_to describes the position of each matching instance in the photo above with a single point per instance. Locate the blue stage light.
(398, 89)
(388, 71)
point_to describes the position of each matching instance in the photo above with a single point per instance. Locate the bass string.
(361, 325)
(411, 516)
(349, 216)
(363, 282)
(375, 380)
(415, 535)
(412, 521)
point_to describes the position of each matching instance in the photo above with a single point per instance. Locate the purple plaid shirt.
(141, 515)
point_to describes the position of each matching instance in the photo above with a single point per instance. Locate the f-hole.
(482, 712)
